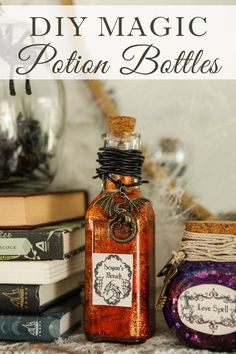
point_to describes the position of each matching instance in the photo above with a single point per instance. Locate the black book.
(24, 298)
(45, 327)
(54, 242)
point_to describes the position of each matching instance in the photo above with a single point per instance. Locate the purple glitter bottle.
(199, 303)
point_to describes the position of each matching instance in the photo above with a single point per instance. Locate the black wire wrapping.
(120, 162)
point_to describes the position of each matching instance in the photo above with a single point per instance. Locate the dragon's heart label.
(208, 308)
(112, 279)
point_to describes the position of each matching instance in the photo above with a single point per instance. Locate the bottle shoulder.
(107, 203)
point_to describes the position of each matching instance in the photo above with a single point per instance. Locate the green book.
(54, 242)
(32, 298)
(44, 327)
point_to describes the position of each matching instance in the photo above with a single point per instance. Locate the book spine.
(31, 245)
(19, 298)
(29, 328)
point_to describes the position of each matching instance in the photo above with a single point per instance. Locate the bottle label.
(208, 308)
(112, 279)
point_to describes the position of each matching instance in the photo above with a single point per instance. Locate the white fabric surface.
(164, 342)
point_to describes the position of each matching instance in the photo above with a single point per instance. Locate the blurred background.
(189, 127)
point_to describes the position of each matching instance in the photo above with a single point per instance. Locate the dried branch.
(152, 169)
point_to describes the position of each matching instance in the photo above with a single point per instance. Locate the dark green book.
(54, 242)
(26, 298)
(46, 327)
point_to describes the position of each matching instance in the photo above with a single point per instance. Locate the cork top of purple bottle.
(212, 227)
(121, 127)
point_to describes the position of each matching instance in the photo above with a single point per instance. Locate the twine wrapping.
(209, 247)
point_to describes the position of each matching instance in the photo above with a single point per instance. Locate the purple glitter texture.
(192, 274)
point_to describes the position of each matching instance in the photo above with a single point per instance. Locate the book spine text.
(19, 298)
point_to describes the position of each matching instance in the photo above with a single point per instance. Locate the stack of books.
(41, 264)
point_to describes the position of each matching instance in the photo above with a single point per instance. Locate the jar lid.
(211, 227)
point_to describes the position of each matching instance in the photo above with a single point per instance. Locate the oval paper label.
(208, 308)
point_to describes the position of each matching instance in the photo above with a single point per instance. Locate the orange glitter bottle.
(120, 269)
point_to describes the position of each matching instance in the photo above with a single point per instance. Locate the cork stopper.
(169, 145)
(211, 227)
(121, 127)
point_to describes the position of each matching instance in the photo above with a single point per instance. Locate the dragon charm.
(122, 225)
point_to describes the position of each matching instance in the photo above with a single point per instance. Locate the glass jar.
(31, 130)
(201, 298)
(172, 155)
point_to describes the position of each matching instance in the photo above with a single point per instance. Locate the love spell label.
(208, 308)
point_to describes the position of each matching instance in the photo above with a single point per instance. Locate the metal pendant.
(169, 271)
(123, 225)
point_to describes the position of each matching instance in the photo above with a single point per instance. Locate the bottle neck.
(108, 185)
(131, 142)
